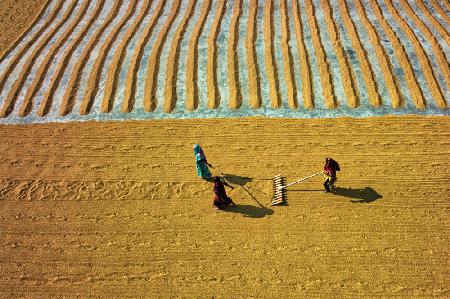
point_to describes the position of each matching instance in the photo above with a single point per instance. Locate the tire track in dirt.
(13, 63)
(235, 99)
(361, 54)
(254, 90)
(131, 81)
(94, 77)
(271, 67)
(442, 61)
(59, 71)
(386, 66)
(305, 67)
(170, 88)
(112, 77)
(213, 89)
(423, 60)
(288, 64)
(192, 59)
(29, 28)
(324, 68)
(50, 55)
(74, 81)
(151, 79)
(14, 92)
(348, 78)
(433, 21)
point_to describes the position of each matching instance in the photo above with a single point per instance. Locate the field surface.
(116, 209)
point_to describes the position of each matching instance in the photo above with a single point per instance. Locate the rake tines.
(278, 191)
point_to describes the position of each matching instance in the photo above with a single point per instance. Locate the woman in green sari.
(201, 163)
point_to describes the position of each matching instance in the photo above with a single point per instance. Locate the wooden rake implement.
(279, 189)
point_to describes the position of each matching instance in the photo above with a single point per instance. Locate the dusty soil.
(15, 17)
(116, 209)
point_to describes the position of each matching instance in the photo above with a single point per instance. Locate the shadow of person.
(236, 179)
(362, 195)
(250, 211)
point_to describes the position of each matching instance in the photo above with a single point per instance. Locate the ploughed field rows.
(93, 57)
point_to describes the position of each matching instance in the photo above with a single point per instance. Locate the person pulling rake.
(329, 173)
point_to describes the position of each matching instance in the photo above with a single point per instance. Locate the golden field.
(114, 209)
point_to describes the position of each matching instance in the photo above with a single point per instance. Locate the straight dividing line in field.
(428, 71)
(132, 76)
(8, 105)
(27, 30)
(150, 100)
(15, 60)
(170, 94)
(192, 95)
(433, 21)
(94, 76)
(271, 67)
(235, 98)
(288, 64)
(212, 86)
(117, 60)
(46, 104)
(324, 69)
(366, 69)
(305, 67)
(348, 79)
(253, 71)
(386, 66)
(68, 99)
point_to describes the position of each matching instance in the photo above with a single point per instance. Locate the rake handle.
(298, 181)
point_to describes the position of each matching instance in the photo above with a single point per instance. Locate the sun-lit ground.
(115, 209)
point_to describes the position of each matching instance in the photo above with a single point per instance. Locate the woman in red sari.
(221, 200)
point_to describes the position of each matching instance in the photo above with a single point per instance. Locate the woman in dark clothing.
(329, 174)
(221, 200)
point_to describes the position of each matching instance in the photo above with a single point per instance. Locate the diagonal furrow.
(348, 79)
(119, 55)
(271, 66)
(235, 100)
(13, 63)
(30, 27)
(433, 21)
(423, 60)
(94, 77)
(213, 89)
(14, 92)
(253, 72)
(411, 80)
(324, 68)
(48, 59)
(170, 88)
(74, 81)
(150, 101)
(366, 70)
(305, 67)
(192, 60)
(437, 50)
(440, 10)
(59, 72)
(131, 81)
(289, 76)
(391, 82)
